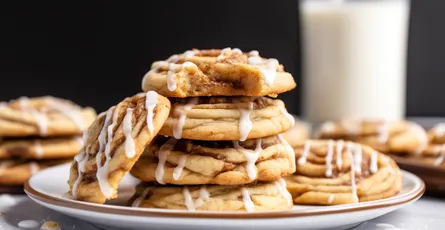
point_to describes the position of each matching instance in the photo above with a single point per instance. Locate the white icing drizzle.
(245, 124)
(270, 71)
(384, 132)
(331, 198)
(188, 199)
(38, 149)
(33, 167)
(441, 157)
(203, 196)
(73, 113)
(137, 201)
(248, 204)
(178, 170)
(421, 136)
(28, 224)
(179, 122)
(172, 67)
(151, 100)
(358, 159)
(251, 157)
(307, 147)
(281, 186)
(373, 167)
(328, 159)
(164, 150)
(339, 158)
(349, 147)
(130, 149)
(79, 141)
(227, 51)
(389, 167)
(171, 75)
(105, 146)
(254, 53)
(439, 129)
(41, 119)
(81, 159)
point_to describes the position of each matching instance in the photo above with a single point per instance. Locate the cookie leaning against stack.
(219, 151)
(37, 133)
(223, 149)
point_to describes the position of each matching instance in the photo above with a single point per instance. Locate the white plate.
(48, 186)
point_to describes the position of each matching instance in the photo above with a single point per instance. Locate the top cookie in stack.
(227, 72)
(222, 130)
(38, 132)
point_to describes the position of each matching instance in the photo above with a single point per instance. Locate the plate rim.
(408, 197)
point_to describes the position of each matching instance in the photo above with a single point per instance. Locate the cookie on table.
(43, 116)
(38, 148)
(332, 172)
(226, 72)
(226, 118)
(402, 137)
(17, 172)
(187, 162)
(113, 143)
(265, 196)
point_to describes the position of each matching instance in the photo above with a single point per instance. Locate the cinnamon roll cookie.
(403, 137)
(186, 162)
(434, 154)
(266, 196)
(298, 134)
(338, 172)
(38, 148)
(113, 143)
(17, 172)
(226, 118)
(43, 116)
(226, 72)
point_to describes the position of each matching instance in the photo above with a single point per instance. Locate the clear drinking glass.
(354, 59)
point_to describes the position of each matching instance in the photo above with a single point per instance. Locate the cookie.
(341, 172)
(298, 134)
(226, 118)
(37, 148)
(187, 162)
(17, 172)
(43, 116)
(226, 72)
(386, 137)
(113, 143)
(267, 196)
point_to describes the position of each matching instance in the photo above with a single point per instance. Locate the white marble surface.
(426, 214)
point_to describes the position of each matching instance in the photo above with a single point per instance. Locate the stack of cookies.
(214, 144)
(37, 133)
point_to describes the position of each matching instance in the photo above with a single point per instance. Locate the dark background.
(96, 53)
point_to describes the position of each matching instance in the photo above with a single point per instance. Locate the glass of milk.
(354, 59)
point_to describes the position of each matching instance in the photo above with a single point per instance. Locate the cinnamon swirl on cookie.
(332, 172)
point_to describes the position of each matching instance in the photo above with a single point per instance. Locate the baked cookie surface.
(17, 172)
(113, 143)
(226, 118)
(267, 196)
(38, 148)
(339, 172)
(226, 72)
(387, 137)
(43, 116)
(187, 162)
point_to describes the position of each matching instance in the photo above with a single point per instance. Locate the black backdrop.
(96, 53)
